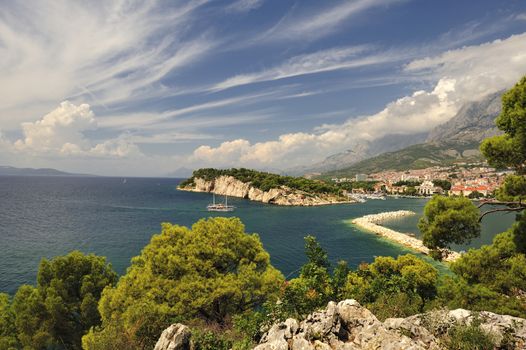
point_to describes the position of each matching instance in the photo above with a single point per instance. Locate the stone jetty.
(372, 223)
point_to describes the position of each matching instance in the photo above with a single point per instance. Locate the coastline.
(372, 223)
(282, 196)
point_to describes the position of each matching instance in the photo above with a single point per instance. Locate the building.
(428, 188)
(361, 177)
(466, 190)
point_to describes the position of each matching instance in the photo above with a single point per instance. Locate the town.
(474, 180)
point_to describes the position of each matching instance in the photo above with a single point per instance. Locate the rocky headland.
(283, 195)
(349, 326)
(372, 223)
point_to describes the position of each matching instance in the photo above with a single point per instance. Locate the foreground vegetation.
(217, 279)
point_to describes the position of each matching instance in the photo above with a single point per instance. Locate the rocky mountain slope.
(456, 140)
(230, 186)
(349, 326)
(360, 151)
(473, 123)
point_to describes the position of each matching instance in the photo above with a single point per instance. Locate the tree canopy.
(210, 272)
(509, 149)
(448, 220)
(63, 305)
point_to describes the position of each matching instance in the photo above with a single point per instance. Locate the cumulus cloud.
(62, 126)
(461, 75)
(61, 133)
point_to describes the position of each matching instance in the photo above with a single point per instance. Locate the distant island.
(12, 171)
(264, 187)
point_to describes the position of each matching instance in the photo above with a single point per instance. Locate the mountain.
(12, 171)
(413, 157)
(361, 150)
(456, 140)
(473, 123)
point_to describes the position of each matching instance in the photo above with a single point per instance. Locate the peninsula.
(372, 223)
(264, 187)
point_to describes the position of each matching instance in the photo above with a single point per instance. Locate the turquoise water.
(50, 216)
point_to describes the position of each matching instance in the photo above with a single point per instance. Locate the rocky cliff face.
(230, 186)
(474, 122)
(349, 326)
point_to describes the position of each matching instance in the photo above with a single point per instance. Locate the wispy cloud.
(317, 62)
(104, 53)
(244, 5)
(320, 23)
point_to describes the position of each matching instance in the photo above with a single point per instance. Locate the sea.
(43, 217)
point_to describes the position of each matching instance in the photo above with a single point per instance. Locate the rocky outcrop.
(175, 337)
(372, 223)
(230, 186)
(348, 325)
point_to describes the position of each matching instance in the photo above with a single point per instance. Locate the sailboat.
(220, 206)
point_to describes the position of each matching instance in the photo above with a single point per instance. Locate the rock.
(349, 326)
(230, 186)
(346, 326)
(175, 337)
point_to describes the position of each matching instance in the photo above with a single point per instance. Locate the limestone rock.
(349, 326)
(175, 337)
(230, 186)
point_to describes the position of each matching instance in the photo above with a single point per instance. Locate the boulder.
(175, 337)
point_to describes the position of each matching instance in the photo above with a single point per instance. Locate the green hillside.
(413, 157)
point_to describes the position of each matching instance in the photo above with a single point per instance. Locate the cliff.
(230, 186)
(348, 325)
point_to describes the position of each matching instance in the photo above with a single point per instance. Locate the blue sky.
(126, 88)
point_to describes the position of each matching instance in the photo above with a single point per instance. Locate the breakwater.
(372, 223)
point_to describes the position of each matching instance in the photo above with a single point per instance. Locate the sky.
(133, 88)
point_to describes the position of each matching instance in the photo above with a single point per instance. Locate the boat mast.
(226, 201)
(213, 198)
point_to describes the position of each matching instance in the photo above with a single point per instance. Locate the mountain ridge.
(456, 140)
(6, 170)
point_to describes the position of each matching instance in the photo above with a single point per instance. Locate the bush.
(469, 337)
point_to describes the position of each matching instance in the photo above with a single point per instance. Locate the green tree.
(509, 149)
(313, 288)
(211, 272)
(393, 287)
(448, 220)
(8, 337)
(63, 305)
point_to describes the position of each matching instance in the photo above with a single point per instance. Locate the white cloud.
(118, 148)
(521, 17)
(317, 62)
(105, 52)
(244, 5)
(461, 75)
(62, 126)
(61, 133)
(323, 22)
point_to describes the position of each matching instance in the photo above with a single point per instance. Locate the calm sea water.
(50, 216)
